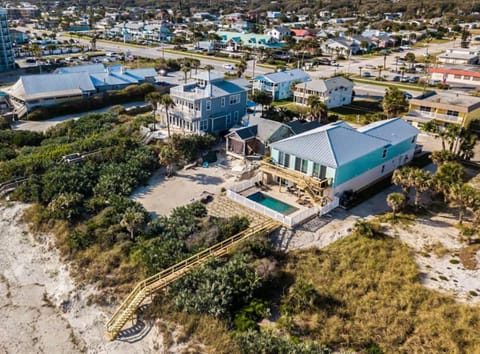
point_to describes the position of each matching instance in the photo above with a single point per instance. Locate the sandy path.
(41, 309)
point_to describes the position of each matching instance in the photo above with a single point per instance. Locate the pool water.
(272, 203)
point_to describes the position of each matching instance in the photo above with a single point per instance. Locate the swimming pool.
(272, 203)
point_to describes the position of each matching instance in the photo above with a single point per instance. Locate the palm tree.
(185, 70)
(403, 177)
(132, 220)
(395, 201)
(360, 69)
(153, 98)
(462, 196)
(195, 64)
(442, 156)
(447, 175)
(168, 156)
(167, 103)
(422, 181)
(318, 109)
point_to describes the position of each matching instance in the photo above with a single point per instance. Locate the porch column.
(244, 148)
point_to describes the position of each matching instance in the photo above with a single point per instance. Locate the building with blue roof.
(234, 40)
(348, 158)
(76, 82)
(210, 104)
(279, 84)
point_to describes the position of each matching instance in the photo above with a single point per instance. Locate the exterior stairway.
(314, 187)
(161, 280)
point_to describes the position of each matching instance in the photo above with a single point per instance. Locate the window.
(234, 99)
(286, 162)
(208, 105)
(323, 172)
(452, 113)
(457, 76)
(222, 102)
(204, 125)
(316, 169)
(281, 157)
(425, 109)
(229, 119)
(304, 166)
(476, 78)
(235, 116)
(383, 168)
(384, 154)
(466, 77)
(298, 163)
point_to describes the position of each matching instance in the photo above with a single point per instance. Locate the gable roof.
(327, 145)
(245, 133)
(328, 84)
(285, 76)
(267, 127)
(299, 126)
(39, 86)
(394, 130)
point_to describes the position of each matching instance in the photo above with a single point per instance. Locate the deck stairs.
(312, 186)
(10, 186)
(161, 280)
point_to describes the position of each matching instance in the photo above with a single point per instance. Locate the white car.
(228, 66)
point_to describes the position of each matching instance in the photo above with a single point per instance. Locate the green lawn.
(357, 108)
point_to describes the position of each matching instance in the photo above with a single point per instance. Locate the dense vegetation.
(111, 239)
(128, 94)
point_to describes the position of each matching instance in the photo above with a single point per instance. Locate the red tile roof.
(455, 71)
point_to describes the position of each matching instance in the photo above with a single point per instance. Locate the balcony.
(186, 114)
(426, 116)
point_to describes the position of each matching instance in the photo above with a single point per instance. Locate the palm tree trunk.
(168, 122)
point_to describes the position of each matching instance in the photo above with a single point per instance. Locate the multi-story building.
(443, 108)
(279, 84)
(344, 158)
(334, 92)
(210, 104)
(7, 60)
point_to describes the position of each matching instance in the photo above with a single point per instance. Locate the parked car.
(367, 74)
(228, 66)
(414, 79)
(405, 79)
(396, 78)
(407, 95)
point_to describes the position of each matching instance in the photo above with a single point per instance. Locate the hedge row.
(128, 94)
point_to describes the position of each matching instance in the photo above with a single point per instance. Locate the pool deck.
(273, 191)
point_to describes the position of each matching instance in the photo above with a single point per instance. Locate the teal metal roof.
(332, 145)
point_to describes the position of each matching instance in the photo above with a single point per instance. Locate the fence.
(289, 221)
(245, 185)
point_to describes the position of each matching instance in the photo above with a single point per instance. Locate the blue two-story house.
(210, 104)
(348, 158)
(279, 84)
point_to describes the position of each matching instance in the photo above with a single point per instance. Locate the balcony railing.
(432, 115)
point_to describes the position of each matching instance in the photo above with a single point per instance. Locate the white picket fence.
(238, 187)
(289, 221)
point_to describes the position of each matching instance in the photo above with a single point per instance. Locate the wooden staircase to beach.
(161, 280)
(10, 186)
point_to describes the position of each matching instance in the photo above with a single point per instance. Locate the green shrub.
(247, 317)
(265, 342)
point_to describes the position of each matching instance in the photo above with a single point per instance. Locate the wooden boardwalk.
(221, 207)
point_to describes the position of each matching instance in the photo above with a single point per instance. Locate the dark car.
(407, 95)
(414, 79)
(396, 78)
